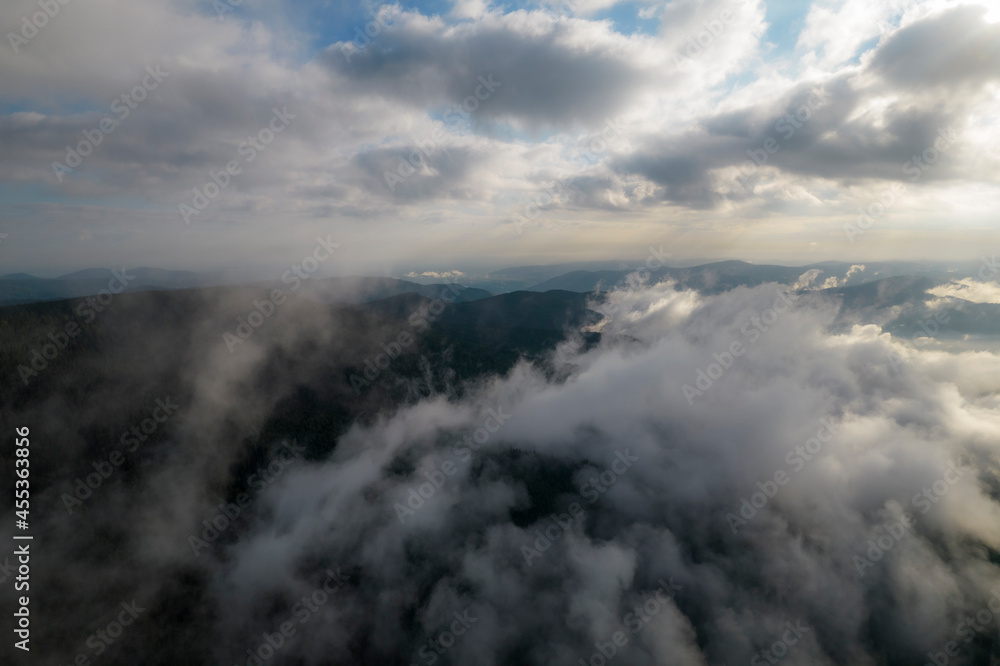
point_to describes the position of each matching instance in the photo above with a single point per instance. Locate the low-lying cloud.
(829, 499)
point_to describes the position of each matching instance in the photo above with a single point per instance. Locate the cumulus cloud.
(969, 289)
(839, 483)
(807, 278)
(543, 70)
(833, 281)
(970, 58)
(440, 275)
(412, 98)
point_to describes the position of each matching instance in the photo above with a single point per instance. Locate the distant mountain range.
(899, 283)
(470, 336)
(367, 289)
(22, 288)
(722, 276)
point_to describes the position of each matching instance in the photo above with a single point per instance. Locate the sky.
(444, 135)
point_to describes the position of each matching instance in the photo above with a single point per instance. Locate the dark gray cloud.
(815, 129)
(956, 48)
(552, 74)
(420, 172)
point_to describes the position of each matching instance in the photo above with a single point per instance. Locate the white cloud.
(969, 289)
(899, 418)
(685, 131)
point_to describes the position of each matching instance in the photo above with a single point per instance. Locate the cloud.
(836, 30)
(807, 278)
(545, 71)
(969, 289)
(892, 421)
(969, 53)
(833, 281)
(688, 121)
(551, 503)
(435, 274)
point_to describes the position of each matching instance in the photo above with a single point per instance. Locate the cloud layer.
(702, 104)
(729, 451)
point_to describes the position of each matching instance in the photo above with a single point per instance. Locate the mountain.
(719, 276)
(708, 278)
(552, 311)
(143, 276)
(91, 274)
(579, 277)
(365, 289)
(23, 288)
(526, 321)
(29, 290)
(517, 278)
(459, 340)
(890, 292)
(583, 281)
(902, 306)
